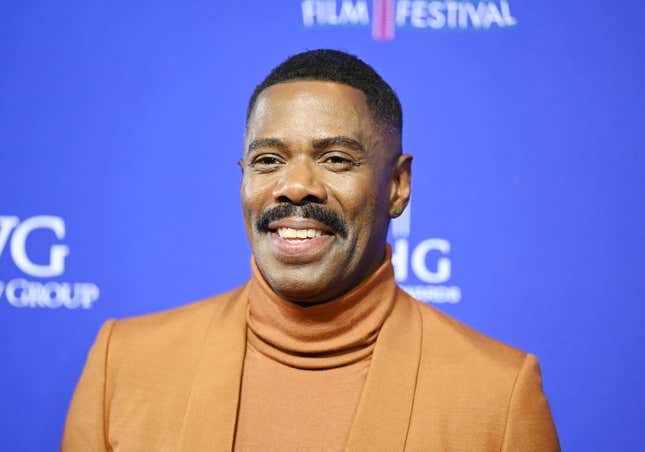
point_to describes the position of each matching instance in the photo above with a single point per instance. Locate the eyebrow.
(324, 143)
(318, 144)
(266, 143)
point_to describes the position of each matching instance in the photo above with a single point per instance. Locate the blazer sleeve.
(529, 425)
(85, 427)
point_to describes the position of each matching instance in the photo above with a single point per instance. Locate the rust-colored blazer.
(170, 382)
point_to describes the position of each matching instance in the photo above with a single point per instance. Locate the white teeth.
(290, 233)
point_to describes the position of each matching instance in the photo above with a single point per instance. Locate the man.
(320, 350)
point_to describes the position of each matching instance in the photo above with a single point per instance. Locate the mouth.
(300, 238)
(298, 234)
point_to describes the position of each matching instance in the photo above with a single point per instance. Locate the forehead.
(301, 109)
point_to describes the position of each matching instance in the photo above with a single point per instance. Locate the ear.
(400, 188)
(240, 163)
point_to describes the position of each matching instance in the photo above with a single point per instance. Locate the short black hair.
(336, 66)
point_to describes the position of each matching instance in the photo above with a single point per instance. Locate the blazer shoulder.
(170, 333)
(474, 392)
(453, 341)
(195, 314)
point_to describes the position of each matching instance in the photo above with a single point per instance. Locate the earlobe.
(401, 185)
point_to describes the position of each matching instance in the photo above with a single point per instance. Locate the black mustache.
(309, 210)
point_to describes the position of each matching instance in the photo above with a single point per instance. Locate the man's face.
(320, 180)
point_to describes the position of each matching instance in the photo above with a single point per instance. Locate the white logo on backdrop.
(429, 261)
(23, 292)
(386, 16)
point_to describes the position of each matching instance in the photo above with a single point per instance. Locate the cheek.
(366, 204)
(252, 194)
(245, 195)
(358, 199)
(245, 198)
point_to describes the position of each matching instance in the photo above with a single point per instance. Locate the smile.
(298, 234)
(300, 240)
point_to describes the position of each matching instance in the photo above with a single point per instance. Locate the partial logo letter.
(57, 254)
(442, 274)
(6, 226)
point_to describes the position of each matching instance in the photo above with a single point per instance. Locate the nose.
(299, 184)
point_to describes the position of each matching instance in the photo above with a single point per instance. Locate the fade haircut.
(336, 66)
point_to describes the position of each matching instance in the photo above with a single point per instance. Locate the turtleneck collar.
(333, 334)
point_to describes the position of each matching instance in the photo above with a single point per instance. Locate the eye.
(266, 163)
(338, 162)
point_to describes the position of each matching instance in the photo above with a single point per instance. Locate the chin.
(301, 285)
(306, 279)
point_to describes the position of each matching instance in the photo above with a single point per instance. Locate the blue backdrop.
(120, 126)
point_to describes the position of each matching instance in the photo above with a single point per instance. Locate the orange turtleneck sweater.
(305, 367)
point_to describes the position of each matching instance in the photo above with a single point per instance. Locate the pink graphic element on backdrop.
(383, 20)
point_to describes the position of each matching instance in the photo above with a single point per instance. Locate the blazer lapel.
(383, 414)
(209, 421)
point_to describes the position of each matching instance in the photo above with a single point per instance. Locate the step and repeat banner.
(121, 124)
